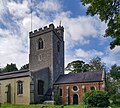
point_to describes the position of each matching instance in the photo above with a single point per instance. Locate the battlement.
(44, 30)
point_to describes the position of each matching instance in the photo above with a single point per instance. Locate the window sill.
(20, 95)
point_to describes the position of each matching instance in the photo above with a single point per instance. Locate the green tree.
(115, 72)
(108, 11)
(112, 81)
(26, 66)
(97, 63)
(9, 68)
(96, 99)
(78, 66)
(0, 69)
(110, 85)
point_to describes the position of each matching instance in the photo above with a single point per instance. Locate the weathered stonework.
(49, 57)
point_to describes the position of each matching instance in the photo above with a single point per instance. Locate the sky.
(83, 35)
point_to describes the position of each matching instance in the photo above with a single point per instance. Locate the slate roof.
(95, 76)
(14, 74)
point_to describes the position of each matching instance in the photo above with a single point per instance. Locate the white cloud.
(14, 44)
(80, 29)
(88, 54)
(18, 10)
(50, 5)
(11, 50)
(112, 56)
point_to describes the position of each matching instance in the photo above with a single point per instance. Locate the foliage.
(110, 85)
(96, 99)
(57, 96)
(78, 66)
(115, 72)
(116, 99)
(0, 69)
(26, 66)
(97, 64)
(108, 11)
(113, 80)
(10, 67)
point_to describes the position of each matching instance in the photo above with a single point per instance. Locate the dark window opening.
(60, 92)
(40, 44)
(75, 88)
(92, 88)
(40, 87)
(20, 87)
(58, 46)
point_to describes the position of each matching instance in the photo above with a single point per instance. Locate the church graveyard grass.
(45, 106)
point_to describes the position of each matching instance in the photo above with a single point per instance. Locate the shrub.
(116, 99)
(57, 96)
(96, 99)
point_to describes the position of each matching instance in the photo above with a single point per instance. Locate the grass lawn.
(41, 106)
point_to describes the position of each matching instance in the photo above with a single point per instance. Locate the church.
(46, 73)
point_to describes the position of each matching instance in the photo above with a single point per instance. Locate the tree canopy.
(115, 72)
(80, 66)
(77, 66)
(113, 80)
(9, 68)
(108, 11)
(97, 63)
(26, 66)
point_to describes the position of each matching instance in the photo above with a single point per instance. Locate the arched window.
(58, 46)
(40, 44)
(19, 87)
(92, 88)
(60, 92)
(40, 87)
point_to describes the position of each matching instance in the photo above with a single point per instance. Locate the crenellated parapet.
(46, 29)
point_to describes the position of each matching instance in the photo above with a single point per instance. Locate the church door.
(9, 93)
(75, 99)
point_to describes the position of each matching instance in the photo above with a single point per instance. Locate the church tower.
(47, 50)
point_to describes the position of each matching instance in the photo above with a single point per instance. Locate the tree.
(112, 82)
(97, 64)
(78, 66)
(9, 68)
(115, 72)
(96, 99)
(0, 69)
(108, 11)
(26, 66)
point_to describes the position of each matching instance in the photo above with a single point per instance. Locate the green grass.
(45, 106)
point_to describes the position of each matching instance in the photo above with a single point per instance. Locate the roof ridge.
(13, 72)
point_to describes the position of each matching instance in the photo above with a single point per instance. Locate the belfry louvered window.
(40, 43)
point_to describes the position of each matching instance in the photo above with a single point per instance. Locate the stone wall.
(15, 98)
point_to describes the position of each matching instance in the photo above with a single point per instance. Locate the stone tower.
(47, 51)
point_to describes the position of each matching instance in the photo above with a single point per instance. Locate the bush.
(116, 99)
(96, 99)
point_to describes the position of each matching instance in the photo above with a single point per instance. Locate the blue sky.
(83, 34)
